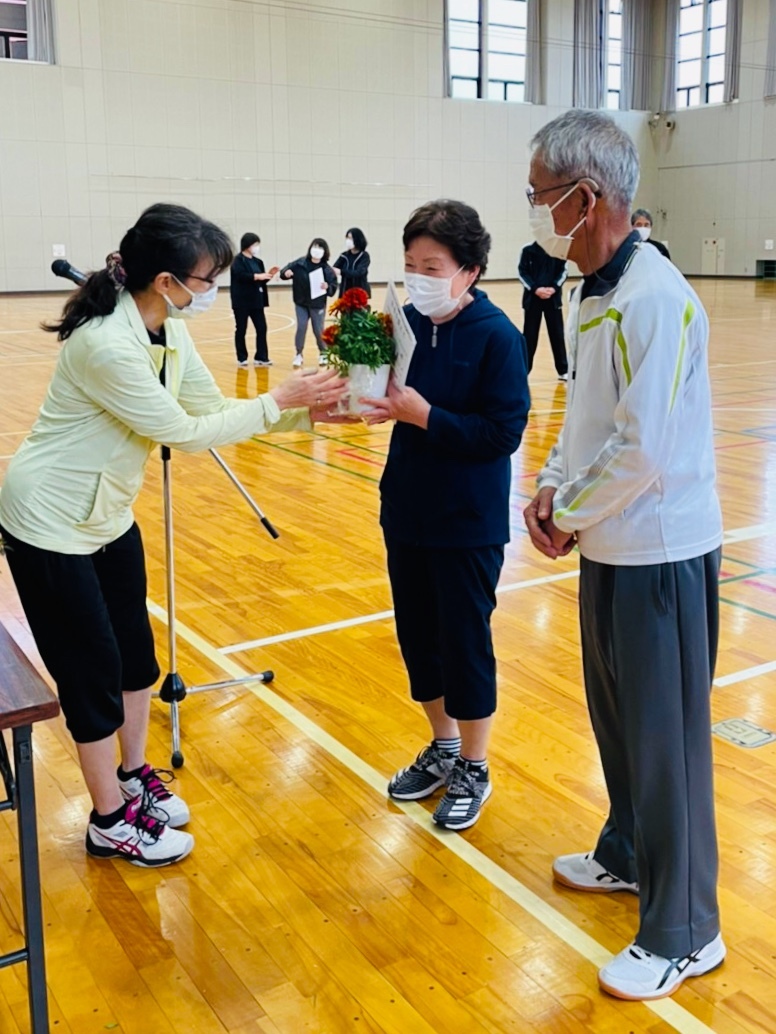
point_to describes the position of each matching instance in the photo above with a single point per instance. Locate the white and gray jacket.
(634, 465)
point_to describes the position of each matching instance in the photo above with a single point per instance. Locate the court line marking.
(675, 1015)
(745, 673)
(380, 615)
(753, 531)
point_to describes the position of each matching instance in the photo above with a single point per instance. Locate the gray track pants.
(303, 315)
(649, 644)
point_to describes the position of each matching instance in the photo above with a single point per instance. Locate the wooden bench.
(24, 699)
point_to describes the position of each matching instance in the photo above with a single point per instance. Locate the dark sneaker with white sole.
(468, 788)
(638, 975)
(430, 770)
(139, 839)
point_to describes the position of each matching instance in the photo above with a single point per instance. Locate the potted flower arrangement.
(360, 345)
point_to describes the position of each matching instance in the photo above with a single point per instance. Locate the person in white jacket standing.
(632, 480)
(128, 377)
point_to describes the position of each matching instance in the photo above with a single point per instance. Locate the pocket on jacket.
(111, 497)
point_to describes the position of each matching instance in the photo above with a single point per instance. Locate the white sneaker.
(243, 364)
(139, 838)
(323, 359)
(298, 359)
(582, 872)
(563, 377)
(637, 975)
(262, 362)
(158, 802)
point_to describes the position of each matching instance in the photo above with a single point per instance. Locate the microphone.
(61, 267)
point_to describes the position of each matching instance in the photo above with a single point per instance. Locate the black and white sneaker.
(637, 975)
(430, 770)
(139, 838)
(468, 788)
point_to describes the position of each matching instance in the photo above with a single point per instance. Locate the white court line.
(754, 531)
(746, 673)
(754, 362)
(281, 315)
(672, 1013)
(380, 615)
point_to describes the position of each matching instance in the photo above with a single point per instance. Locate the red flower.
(329, 336)
(355, 298)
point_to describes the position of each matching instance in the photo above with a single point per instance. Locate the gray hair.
(585, 143)
(641, 213)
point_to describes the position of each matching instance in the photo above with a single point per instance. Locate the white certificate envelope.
(318, 285)
(403, 337)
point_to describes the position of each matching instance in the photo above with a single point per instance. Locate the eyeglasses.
(532, 194)
(180, 277)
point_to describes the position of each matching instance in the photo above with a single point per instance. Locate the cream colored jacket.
(71, 485)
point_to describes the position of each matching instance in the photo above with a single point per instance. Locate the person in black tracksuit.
(353, 263)
(248, 291)
(543, 276)
(309, 309)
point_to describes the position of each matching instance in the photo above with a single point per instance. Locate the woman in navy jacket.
(445, 500)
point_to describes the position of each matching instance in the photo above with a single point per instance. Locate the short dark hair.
(359, 240)
(644, 215)
(165, 239)
(455, 225)
(321, 244)
(249, 239)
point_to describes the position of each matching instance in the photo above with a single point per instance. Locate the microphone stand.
(173, 690)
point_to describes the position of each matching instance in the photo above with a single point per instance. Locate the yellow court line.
(669, 1011)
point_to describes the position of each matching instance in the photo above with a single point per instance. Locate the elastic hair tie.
(116, 270)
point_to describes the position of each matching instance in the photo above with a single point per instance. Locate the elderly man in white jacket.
(631, 480)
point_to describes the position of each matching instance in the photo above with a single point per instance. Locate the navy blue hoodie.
(448, 486)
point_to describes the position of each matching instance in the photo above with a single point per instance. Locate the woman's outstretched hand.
(318, 391)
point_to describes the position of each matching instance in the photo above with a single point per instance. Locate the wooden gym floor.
(311, 903)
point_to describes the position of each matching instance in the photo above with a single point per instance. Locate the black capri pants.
(88, 616)
(443, 600)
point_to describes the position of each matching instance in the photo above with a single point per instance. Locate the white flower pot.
(366, 383)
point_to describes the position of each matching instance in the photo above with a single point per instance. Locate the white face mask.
(316, 253)
(199, 302)
(255, 250)
(543, 228)
(644, 232)
(348, 244)
(431, 294)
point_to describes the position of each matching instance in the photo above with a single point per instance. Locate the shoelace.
(462, 783)
(155, 780)
(148, 828)
(427, 757)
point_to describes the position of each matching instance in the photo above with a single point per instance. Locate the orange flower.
(329, 336)
(387, 322)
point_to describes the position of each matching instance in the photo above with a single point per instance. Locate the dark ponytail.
(165, 239)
